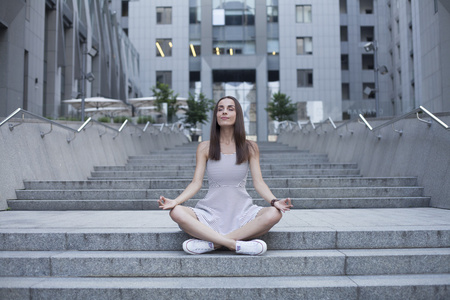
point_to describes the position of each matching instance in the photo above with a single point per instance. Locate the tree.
(164, 94)
(197, 111)
(281, 108)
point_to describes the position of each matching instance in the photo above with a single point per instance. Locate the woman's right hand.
(165, 203)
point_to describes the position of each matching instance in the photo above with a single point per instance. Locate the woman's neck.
(227, 136)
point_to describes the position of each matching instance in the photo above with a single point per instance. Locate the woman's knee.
(179, 214)
(272, 216)
(176, 214)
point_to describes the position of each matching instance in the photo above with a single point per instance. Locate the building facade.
(313, 51)
(47, 45)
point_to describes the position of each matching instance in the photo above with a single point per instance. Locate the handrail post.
(84, 124)
(10, 116)
(365, 122)
(434, 117)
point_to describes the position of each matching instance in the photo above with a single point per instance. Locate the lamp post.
(89, 76)
(372, 46)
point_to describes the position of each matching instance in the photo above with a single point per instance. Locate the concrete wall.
(421, 151)
(24, 155)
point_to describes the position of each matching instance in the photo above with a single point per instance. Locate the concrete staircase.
(309, 179)
(349, 237)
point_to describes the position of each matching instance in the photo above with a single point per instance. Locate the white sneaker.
(253, 247)
(194, 246)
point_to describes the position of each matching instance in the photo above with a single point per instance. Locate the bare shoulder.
(253, 148)
(203, 148)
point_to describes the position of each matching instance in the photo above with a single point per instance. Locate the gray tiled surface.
(354, 219)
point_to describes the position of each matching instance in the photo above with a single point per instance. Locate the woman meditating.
(226, 217)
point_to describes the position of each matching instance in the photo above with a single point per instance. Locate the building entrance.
(240, 84)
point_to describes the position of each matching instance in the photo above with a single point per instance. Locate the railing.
(291, 126)
(162, 127)
(24, 112)
(400, 132)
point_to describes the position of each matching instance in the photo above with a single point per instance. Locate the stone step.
(171, 239)
(173, 193)
(423, 286)
(271, 154)
(161, 166)
(182, 183)
(190, 173)
(191, 161)
(224, 263)
(152, 204)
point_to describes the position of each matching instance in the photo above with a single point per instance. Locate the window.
(195, 83)
(164, 77)
(124, 8)
(304, 45)
(195, 12)
(366, 7)
(344, 62)
(164, 47)
(273, 46)
(303, 13)
(368, 90)
(194, 48)
(164, 15)
(367, 33)
(272, 14)
(367, 62)
(345, 91)
(344, 34)
(233, 47)
(227, 12)
(194, 79)
(343, 6)
(305, 78)
(194, 15)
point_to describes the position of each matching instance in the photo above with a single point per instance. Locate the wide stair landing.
(349, 237)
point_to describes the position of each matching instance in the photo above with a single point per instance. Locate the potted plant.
(281, 108)
(197, 113)
(164, 94)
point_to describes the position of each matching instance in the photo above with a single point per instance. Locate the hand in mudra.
(283, 205)
(166, 203)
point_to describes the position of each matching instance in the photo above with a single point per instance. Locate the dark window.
(305, 78)
(164, 77)
(344, 34)
(344, 62)
(124, 8)
(164, 15)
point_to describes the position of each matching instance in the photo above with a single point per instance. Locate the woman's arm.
(196, 183)
(258, 181)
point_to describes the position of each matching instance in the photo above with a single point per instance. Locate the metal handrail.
(83, 126)
(25, 112)
(323, 122)
(415, 111)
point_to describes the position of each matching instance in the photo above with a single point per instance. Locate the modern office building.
(313, 51)
(47, 47)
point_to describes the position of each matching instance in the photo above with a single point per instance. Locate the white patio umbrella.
(111, 111)
(94, 102)
(150, 101)
(142, 102)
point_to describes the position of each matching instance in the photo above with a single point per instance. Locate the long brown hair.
(242, 146)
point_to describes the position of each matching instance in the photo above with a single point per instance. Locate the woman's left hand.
(283, 205)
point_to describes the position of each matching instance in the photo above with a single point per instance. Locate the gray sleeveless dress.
(227, 206)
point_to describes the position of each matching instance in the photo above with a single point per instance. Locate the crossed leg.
(188, 222)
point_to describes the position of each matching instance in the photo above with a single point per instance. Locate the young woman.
(226, 217)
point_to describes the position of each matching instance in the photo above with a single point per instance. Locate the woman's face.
(226, 112)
